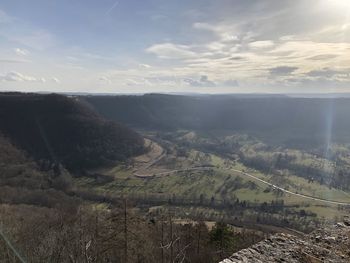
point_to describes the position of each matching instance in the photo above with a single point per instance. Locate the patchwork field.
(171, 177)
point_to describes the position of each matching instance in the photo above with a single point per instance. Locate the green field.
(220, 184)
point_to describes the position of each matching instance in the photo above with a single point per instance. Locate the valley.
(198, 180)
(95, 179)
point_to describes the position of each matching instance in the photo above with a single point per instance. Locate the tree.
(223, 239)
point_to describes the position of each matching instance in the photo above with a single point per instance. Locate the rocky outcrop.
(330, 244)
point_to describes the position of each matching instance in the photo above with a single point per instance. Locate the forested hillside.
(64, 130)
(46, 219)
(291, 121)
(22, 182)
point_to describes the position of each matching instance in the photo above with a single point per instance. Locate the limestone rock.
(329, 245)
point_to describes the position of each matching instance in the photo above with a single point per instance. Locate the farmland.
(176, 177)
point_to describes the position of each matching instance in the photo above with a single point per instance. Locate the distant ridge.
(191, 94)
(290, 120)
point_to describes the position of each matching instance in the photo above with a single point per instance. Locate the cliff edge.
(329, 244)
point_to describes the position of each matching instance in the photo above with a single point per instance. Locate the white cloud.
(215, 46)
(225, 33)
(257, 44)
(138, 81)
(203, 81)
(171, 51)
(144, 66)
(11, 60)
(206, 26)
(16, 76)
(104, 80)
(55, 80)
(21, 52)
(330, 74)
(262, 44)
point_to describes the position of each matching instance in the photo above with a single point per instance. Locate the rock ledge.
(330, 244)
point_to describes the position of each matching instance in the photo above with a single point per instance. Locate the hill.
(65, 130)
(291, 121)
(22, 182)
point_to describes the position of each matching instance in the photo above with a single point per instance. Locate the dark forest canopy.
(292, 121)
(65, 130)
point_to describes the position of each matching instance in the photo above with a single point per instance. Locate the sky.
(203, 46)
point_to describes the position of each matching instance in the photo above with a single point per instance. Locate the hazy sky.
(175, 46)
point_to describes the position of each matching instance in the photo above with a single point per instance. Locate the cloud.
(226, 33)
(138, 81)
(202, 82)
(237, 58)
(21, 52)
(144, 66)
(171, 51)
(55, 80)
(215, 46)
(329, 73)
(282, 70)
(230, 83)
(14, 76)
(104, 80)
(206, 26)
(251, 44)
(263, 44)
(13, 61)
(323, 57)
(87, 55)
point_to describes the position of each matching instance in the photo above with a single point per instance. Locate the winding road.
(248, 175)
(289, 192)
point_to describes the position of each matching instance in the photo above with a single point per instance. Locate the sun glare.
(341, 6)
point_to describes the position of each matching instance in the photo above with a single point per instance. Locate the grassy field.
(219, 183)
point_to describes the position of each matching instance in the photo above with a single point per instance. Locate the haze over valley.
(159, 131)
